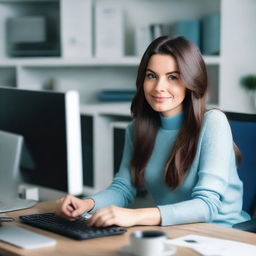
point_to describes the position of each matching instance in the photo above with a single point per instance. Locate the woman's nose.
(160, 85)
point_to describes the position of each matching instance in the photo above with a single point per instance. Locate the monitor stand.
(10, 154)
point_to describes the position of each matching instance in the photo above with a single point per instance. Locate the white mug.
(150, 243)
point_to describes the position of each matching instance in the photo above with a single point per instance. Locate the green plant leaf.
(249, 82)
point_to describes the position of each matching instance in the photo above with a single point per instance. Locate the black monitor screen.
(40, 118)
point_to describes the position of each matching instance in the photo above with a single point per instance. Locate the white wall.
(238, 53)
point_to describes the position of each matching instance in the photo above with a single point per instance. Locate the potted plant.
(249, 83)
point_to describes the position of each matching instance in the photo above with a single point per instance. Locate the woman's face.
(163, 88)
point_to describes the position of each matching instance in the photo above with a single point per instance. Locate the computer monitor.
(50, 125)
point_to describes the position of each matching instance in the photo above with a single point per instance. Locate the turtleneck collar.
(172, 122)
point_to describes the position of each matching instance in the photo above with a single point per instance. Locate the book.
(116, 95)
(156, 30)
(142, 39)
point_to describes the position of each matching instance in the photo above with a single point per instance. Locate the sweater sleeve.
(216, 155)
(121, 192)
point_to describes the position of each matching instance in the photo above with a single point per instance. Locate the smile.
(162, 98)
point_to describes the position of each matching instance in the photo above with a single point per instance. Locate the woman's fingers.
(104, 217)
(79, 210)
(96, 216)
(113, 215)
(66, 205)
(104, 220)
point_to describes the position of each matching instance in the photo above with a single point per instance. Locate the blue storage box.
(210, 35)
(187, 28)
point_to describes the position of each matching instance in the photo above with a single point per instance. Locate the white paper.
(209, 246)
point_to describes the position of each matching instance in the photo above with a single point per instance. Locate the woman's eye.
(151, 76)
(171, 77)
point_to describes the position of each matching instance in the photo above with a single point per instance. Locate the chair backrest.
(243, 128)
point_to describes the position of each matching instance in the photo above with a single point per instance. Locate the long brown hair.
(147, 121)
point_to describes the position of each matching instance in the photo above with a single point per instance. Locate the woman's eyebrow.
(150, 70)
(173, 72)
(168, 73)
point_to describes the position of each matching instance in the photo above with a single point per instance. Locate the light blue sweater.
(211, 191)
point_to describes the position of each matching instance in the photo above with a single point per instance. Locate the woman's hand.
(113, 215)
(71, 207)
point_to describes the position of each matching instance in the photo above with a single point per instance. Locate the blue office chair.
(243, 128)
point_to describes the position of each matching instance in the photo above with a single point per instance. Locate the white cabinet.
(98, 120)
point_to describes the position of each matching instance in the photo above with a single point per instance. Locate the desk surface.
(108, 246)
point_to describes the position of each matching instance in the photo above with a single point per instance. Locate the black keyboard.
(76, 229)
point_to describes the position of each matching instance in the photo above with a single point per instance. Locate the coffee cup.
(150, 243)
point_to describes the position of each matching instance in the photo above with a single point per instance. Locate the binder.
(76, 28)
(211, 34)
(142, 39)
(109, 30)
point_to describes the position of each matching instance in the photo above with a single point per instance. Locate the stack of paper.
(209, 246)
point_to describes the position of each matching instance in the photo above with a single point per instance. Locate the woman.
(183, 154)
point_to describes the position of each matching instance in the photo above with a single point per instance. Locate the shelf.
(20, 1)
(120, 109)
(212, 106)
(212, 60)
(62, 62)
(7, 64)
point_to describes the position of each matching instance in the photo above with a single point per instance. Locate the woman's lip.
(161, 98)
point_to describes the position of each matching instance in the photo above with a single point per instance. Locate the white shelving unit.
(95, 62)
(90, 74)
(103, 115)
